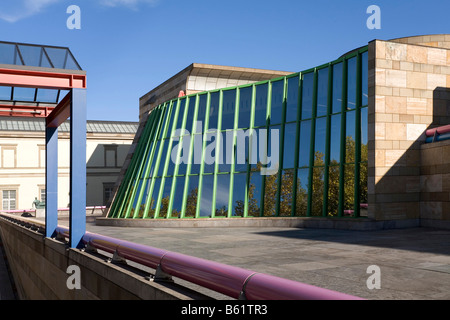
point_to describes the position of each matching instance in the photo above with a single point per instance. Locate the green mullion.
(250, 149)
(146, 173)
(343, 138)
(131, 171)
(357, 181)
(233, 150)
(268, 114)
(158, 160)
(281, 150)
(168, 155)
(327, 143)
(297, 145)
(312, 144)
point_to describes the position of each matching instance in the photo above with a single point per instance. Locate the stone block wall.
(407, 96)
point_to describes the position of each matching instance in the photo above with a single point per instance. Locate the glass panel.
(245, 107)
(47, 95)
(307, 95)
(276, 106)
(196, 156)
(292, 99)
(8, 54)
(70, 63)
(270, 195)
(154, 197)
(228, 107)
(286, 196)
(178, 197)
(320, 137)
(162, 128)
(364, 79)
(337, 88)
(261, 105)
(207, 195)
(210, 152)
(222, 192)
(364, 132)
(165, 198)
(153, 160)
(190, 115)
(58, 56)
(214, 110)
(191, 202)
(333, 190)
(305, 142)
(240, 183)
(32, 56)
(289, 145)
(363, 200)
(349, 189)
(171, 114)
(201, 113)
(335, 139)
(226, 153)
(351, 83)
(254, 194)
(322, 92)
(162, 160)
(301, 201)
(317, 191)
(5, 93)
(24, 94)
(141, 206)
(182, 105)
(350, 138)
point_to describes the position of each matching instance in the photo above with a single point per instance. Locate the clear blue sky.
(128, 47)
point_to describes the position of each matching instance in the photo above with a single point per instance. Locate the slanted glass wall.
(291, 146)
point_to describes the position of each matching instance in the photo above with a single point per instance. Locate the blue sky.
(128, 47)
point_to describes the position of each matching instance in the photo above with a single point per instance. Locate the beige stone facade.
(408, 94)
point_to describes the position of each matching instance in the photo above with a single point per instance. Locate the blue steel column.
(77, 167)
(51, 181)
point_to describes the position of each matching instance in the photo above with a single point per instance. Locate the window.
(111, 156)
(9, 199)
(42, 194)
(107, 192)
(9, 156)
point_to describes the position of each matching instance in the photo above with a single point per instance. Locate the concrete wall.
(39, 266)
(407, 95)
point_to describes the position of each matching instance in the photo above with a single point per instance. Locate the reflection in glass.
(141, 206)
(162, 125)
(350, 138)
(201, 113)
(363, 198)
(317, 191)
(154, 197)
(178, 197)
(270, 195)
(349, 189)
(333, 190)
(254, 194)
(364, 132)
(289, 145)
(207, 195)
(191, 202)
(5, 93)
(240, 182)
(261, 105)
(305, 142)
(222, 193)
(214, 110)
(364, 79)
(165, 198)
(228, 108)
(320, 137)
(276, 107)
(24, 94)
(337, 88)
(162, 160)
(292, 99)
(322, 92)
(351, 83)
(335, 139)
(245, 106)
(190, 115)
(182, 107)
(47, 95)
(307, 95)
(34, 56)
(286, 194)
(301, 201)
(8, 54)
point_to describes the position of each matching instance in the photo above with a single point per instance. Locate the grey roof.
(92, 126)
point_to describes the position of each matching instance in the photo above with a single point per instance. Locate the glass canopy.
(21, 54)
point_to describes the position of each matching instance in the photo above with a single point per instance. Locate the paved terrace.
(414, 263)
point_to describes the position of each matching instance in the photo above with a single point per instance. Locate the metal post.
(77, 167)
(51, 181)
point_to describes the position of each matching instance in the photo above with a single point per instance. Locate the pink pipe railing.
(232, 281)
(438, 130)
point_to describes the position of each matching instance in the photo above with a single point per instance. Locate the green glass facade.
(320, 118)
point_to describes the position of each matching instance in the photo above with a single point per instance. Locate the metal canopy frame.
(73, 105)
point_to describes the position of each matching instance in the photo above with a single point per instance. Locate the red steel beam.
(60, 113)
(24, 111)
(41, 79)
